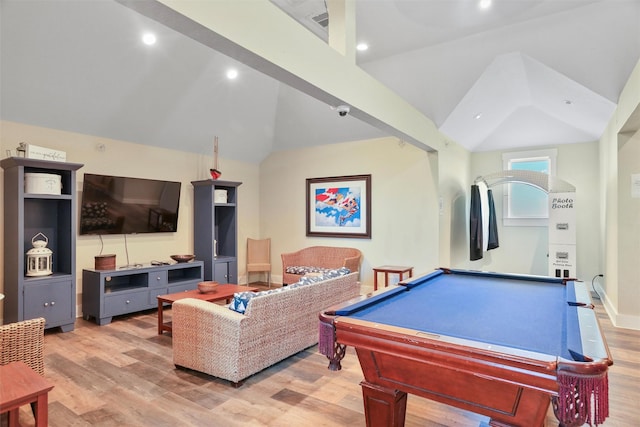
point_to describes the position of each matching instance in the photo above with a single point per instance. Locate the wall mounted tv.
(121, 205)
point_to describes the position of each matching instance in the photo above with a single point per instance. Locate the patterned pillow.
(304, 269)
(326, 275)
(241, 299)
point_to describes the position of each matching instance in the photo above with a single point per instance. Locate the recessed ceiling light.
(362, 47)
(232, 73)
(484, 4)
(149, 39)
(477, 116)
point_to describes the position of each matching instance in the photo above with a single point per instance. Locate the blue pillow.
(240, 301)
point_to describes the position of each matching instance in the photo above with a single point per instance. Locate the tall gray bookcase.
(54, 215)
(216, 229)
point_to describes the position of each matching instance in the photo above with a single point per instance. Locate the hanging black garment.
(475, 225)
(493, 225)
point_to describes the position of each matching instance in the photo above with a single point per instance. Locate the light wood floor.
(122, 374)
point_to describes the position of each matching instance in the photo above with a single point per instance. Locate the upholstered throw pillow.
(241, 299)
(304, 269)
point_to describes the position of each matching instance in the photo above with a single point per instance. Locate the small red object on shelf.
(215, 172)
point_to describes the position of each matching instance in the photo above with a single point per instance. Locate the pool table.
(502, 345)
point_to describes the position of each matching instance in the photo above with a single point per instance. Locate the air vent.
(322, 19)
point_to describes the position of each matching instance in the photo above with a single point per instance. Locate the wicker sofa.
(218, 341)
(318, 257)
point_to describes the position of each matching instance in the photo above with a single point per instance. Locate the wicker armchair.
(23, 341)
(320, 257)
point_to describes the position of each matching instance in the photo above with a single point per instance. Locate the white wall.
(140, 161)
(453, 182)
(618, 233)
(405, 219)
(629, 223)
(524, 249)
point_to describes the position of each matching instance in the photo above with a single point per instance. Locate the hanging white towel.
(484, 203)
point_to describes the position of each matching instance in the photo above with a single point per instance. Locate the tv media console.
(108, 293)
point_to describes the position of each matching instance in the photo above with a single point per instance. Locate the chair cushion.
(304, 269)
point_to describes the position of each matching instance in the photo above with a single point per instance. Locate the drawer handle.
(53, 303)
(158, 278)
(46, 304)
(128, 301)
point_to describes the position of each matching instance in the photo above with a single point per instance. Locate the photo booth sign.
(562, 234)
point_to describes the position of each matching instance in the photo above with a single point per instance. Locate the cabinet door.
(221, 272)
(51, 300)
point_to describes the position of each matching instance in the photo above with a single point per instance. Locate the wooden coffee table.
(21, 385)
(222, 292)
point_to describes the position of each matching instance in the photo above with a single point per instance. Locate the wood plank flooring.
(122, 374)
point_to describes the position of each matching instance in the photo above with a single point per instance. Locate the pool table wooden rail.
(513, 387)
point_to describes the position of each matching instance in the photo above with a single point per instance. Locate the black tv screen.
(121, 205)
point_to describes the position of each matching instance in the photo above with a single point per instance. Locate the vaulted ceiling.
(518, 74)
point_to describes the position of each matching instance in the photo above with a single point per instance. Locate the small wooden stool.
(21, 385)
(393, 269)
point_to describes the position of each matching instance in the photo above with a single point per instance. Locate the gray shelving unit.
(216, 222)
(25, 215)
(108, 293)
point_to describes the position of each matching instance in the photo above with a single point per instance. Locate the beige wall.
(406, 219)
(629, 223)
(404, 197)
(578, 165)
(453, 191)
(619, 233)
(135, 160)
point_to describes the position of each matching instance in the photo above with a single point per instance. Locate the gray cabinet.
(108, 293)
(225, 271)
(216, 229)
(25, 215)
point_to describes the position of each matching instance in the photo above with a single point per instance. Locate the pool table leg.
(383, 407)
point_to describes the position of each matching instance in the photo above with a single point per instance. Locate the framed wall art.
(339, 206)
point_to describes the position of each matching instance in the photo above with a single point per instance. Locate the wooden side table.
(390, 269)
(21, 385)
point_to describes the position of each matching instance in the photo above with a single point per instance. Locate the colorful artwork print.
(338, 207)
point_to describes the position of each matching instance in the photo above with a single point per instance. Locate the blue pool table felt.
(522, 314)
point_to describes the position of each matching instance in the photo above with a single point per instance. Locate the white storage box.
(42, 183)
(35, 152)
(220, 196)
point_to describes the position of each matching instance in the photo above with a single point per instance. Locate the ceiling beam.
(342, 27)
(260, 35)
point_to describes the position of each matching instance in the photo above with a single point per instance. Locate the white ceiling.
(538, 72)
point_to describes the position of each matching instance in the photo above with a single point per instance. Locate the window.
(526, 205)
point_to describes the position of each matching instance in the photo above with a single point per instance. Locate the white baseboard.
(625, 321)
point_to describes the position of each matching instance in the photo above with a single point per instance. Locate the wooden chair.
(259, 257)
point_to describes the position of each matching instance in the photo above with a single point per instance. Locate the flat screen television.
(121, 205)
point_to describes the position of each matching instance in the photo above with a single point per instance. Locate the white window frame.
(522, 156)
